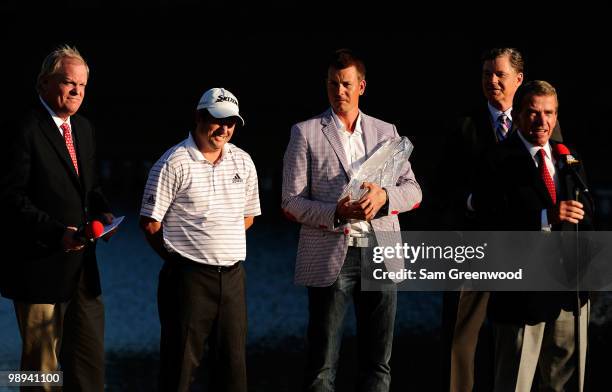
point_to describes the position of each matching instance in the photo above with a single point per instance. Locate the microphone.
(569, 161)
(89, 232)
(561, 149)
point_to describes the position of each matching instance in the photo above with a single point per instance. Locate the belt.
(361, 242)
(219, 268)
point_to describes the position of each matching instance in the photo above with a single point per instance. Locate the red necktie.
(545, 174)
(70, 146)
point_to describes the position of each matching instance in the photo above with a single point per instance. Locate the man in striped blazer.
(324, 152)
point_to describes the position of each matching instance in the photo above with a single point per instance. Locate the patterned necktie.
(545, 174)
(70, 145)
(502, 127)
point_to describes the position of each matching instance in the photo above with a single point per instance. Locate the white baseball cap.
(220, 103)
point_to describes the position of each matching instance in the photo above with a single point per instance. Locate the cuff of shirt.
(545, 225)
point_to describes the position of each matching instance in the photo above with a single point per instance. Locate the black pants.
(199, 304)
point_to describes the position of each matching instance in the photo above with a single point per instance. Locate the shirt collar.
(197, 155)
(340, 125)
(533, 149)
(495, 113)
(58, 121)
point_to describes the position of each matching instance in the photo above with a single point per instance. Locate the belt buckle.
(359, 242)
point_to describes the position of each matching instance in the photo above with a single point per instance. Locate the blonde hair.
(53, 62)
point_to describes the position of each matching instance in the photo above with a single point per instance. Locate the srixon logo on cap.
(226, 99)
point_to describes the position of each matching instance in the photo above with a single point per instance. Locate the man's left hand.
(373, 200)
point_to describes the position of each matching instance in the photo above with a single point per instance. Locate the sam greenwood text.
(452, 274)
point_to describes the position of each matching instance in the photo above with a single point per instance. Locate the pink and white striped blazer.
(314, 175)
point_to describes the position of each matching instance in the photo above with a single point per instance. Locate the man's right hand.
(349, 209)
(567, 211)
(153, 231)
(69, 243)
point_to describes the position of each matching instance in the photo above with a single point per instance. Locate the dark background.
(149, 67)
(151, 62)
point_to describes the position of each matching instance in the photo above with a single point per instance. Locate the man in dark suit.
(477, 132)
(522, 186)
(473, 136)
(50, 190)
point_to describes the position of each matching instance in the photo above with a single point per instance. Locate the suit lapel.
(370, 134)
(565, 189)
(52, 133)
(484, 127)
(513, 129)
(81, 149)
(529, 167)
(331, 133)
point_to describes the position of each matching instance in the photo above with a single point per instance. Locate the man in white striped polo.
(200, 197)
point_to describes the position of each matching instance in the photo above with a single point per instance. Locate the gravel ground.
(277, 320)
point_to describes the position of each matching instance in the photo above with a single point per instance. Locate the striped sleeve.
(251, 205)
(160, 191)
(297, 174)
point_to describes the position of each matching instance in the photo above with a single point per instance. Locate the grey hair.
(53, 62)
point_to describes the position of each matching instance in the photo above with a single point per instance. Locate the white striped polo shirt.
(202, 206)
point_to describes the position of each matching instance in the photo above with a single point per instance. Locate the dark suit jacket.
(41, 195)
(469, 139)
(510, 195)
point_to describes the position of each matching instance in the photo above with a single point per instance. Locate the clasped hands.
(366, 207)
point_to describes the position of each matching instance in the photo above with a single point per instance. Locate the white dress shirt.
(354, 150)
(58, 121)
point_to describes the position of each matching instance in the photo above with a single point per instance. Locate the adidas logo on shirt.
(236, 179)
